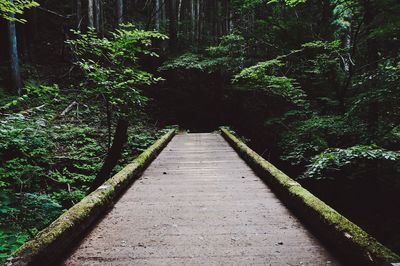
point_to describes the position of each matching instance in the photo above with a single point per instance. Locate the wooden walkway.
(199, 203)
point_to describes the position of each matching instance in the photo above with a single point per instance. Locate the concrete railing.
(51, 244)
(344, 237)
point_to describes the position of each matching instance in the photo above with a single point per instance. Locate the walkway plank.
(199, 203)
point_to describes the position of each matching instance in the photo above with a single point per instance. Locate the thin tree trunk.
(90, 14)
(16, 80)
(231, 24)
(120, 11)
(198, 20)
(219, 19)
(179, 11)
(114, 154)
(373, 57)
(158, 14)
(193, 18)
(173, 30)
(78, 13)
(201, 20)
(102, 18)
(163, 13)
(97, 15)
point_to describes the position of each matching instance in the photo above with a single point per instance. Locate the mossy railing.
(53, 242)
(344, 237)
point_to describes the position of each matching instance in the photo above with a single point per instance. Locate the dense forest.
(312, 85)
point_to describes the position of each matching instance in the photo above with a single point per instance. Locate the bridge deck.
(199, 203)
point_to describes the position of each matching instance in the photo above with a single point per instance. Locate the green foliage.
(41, 91)
(338, 76)
(15, 7)
(312, 136)
(34, 93)
(26, 209)
(23, 146)
(333, 160)
(291, 3)
(314, 82)
(10, 241)
(266, 76)
(227, 57)
(139, 142)
(323, 59)
(386, 94)
(35, 184)
(249, 4)
(22, 216)
(46, 167)
(230, 54)
(187, 61)
(112, 66)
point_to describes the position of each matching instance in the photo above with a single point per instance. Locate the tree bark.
(199, 22)
(193, 19)
(78, 13)
(370, 12)
(179, 11)
(163, 13)
(16, 80)
(158, 14)
(90, 14)
(120, 11)
(173, 27)
(97, 15)
(101, 25)
(114, 154)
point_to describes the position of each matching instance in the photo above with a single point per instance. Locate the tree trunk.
(158, 15)
(193, 19)
(90, 14)
(179, 11)
(102, 18)
(16, 80)
(372, 65)
(114, 154)
(163, 13)
(173, 29)
(97, 15)
(120, 11)
(199, 21)
(231, 24)
(78, 14)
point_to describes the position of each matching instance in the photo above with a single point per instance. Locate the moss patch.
(349, 232)
(53, 241)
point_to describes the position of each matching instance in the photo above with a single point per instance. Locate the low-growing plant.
(364, 158)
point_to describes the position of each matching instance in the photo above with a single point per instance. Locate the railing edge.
(330, 225)
(53, 241)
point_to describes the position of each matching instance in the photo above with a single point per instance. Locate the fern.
(333, 160)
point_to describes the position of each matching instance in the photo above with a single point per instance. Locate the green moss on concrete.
(68, 227)
(350, 231)
(256, 159)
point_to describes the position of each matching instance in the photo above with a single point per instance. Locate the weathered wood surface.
(199, 203)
